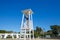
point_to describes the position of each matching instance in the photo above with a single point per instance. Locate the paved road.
(35, 39)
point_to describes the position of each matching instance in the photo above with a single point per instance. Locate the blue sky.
(46, 13)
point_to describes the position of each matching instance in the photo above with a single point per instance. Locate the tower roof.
(27, 11)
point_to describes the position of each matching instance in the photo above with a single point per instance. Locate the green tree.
(4, 31)
(55, 29)
(49, 32)
(37, 31)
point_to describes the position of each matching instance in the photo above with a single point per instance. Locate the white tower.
(26, 30)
